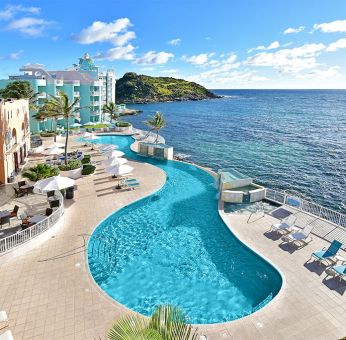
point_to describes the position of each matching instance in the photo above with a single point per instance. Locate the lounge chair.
(54, 203)
(3, 319)
(327, 254)
(6, 336)
(285, 226)
(301, 236)
(337, 271)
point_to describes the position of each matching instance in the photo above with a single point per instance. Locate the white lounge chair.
(301, 236)
(285, 226)
(3, 319)
(6, 336)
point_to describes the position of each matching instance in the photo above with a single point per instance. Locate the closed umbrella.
(54, 183)
(114, 161)
(114, 153)
(53, 151)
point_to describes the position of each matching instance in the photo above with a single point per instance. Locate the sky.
(220, 44)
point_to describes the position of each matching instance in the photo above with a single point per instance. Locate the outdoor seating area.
(24, 211)
(23, 188)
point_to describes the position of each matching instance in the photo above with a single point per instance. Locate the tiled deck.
(48, 293)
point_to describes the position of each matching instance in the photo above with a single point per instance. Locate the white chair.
(299, 236)
(6, 336)
(285, 226)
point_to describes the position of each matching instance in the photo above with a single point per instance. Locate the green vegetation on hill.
(133, 88)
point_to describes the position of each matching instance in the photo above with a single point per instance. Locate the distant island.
(134, 88)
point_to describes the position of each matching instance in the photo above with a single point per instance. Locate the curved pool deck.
(49, 294)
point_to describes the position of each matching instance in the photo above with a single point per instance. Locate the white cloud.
(337, 45)
(175, 42)
(100, 31)
(289, 60)
(291, 30)
(117, 53)
(333, 26)
(272, 46)
(29, 26)
(11, 10)
(154, 58)
(12, 56)
(331, 72)
(200, 59)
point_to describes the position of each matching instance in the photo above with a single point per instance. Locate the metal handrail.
(330, 215)
(23, 236)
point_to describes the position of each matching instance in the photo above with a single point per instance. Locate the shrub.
(123, 124)
(72, 164)
(88, 169)
(40, 171)
(86, 159)
(47, 134)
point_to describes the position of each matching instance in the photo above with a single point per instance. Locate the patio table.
(37, 218)
(4, 213)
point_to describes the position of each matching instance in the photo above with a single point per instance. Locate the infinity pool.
(172, 247)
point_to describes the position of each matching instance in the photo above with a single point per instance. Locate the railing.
(23, 236)
(307, 206)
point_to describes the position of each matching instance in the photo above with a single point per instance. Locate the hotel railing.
(330, 215)
(23, 236)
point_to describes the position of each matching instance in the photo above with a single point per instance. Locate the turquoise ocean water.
(285, 139)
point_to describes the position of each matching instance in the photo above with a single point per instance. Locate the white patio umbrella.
(114, 153)
(119, 170)
(86, 134)
(76, 125)
(54, 183)
(53, 151)
(107, 148)
(114, 161)
(89, 123)
(55, 145)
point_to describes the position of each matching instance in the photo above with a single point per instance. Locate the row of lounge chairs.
(329, 256)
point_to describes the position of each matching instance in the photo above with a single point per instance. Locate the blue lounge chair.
(327, 254)
(337, 271)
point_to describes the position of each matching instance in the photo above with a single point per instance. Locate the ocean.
(285, 139)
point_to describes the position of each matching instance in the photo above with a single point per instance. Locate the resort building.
(14, 137)
(85, 80)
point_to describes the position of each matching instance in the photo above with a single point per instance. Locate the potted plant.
(72, 169)
(123, 126)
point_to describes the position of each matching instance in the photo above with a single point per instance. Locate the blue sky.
(220, 43)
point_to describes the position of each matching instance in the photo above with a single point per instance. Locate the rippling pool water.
(285, 139)
(172, 247)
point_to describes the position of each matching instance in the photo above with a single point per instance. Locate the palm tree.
(44, 112)
(156, 122)
(166, 323)
(60, 106)
(111, 109)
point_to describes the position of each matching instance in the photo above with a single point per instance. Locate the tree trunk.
(157, 136)
(56, 123)
(66, 140)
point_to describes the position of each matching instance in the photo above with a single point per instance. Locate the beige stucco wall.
(14, 136)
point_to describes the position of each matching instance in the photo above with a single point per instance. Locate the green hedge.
(123, 124)
(47, 134)
(86, 159)
(40, 171)
(88, 169)
(71, 165)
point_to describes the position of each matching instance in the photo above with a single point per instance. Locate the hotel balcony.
(94, 93)
(97, 83)
(76, 82)
(76, 94)
(41, 82)
(95, 103)
(59, 82)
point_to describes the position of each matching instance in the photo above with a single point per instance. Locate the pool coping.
(220, 203)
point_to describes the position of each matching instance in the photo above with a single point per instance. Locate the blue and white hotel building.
(85, 80)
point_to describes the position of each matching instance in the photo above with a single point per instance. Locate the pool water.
(172, 247)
